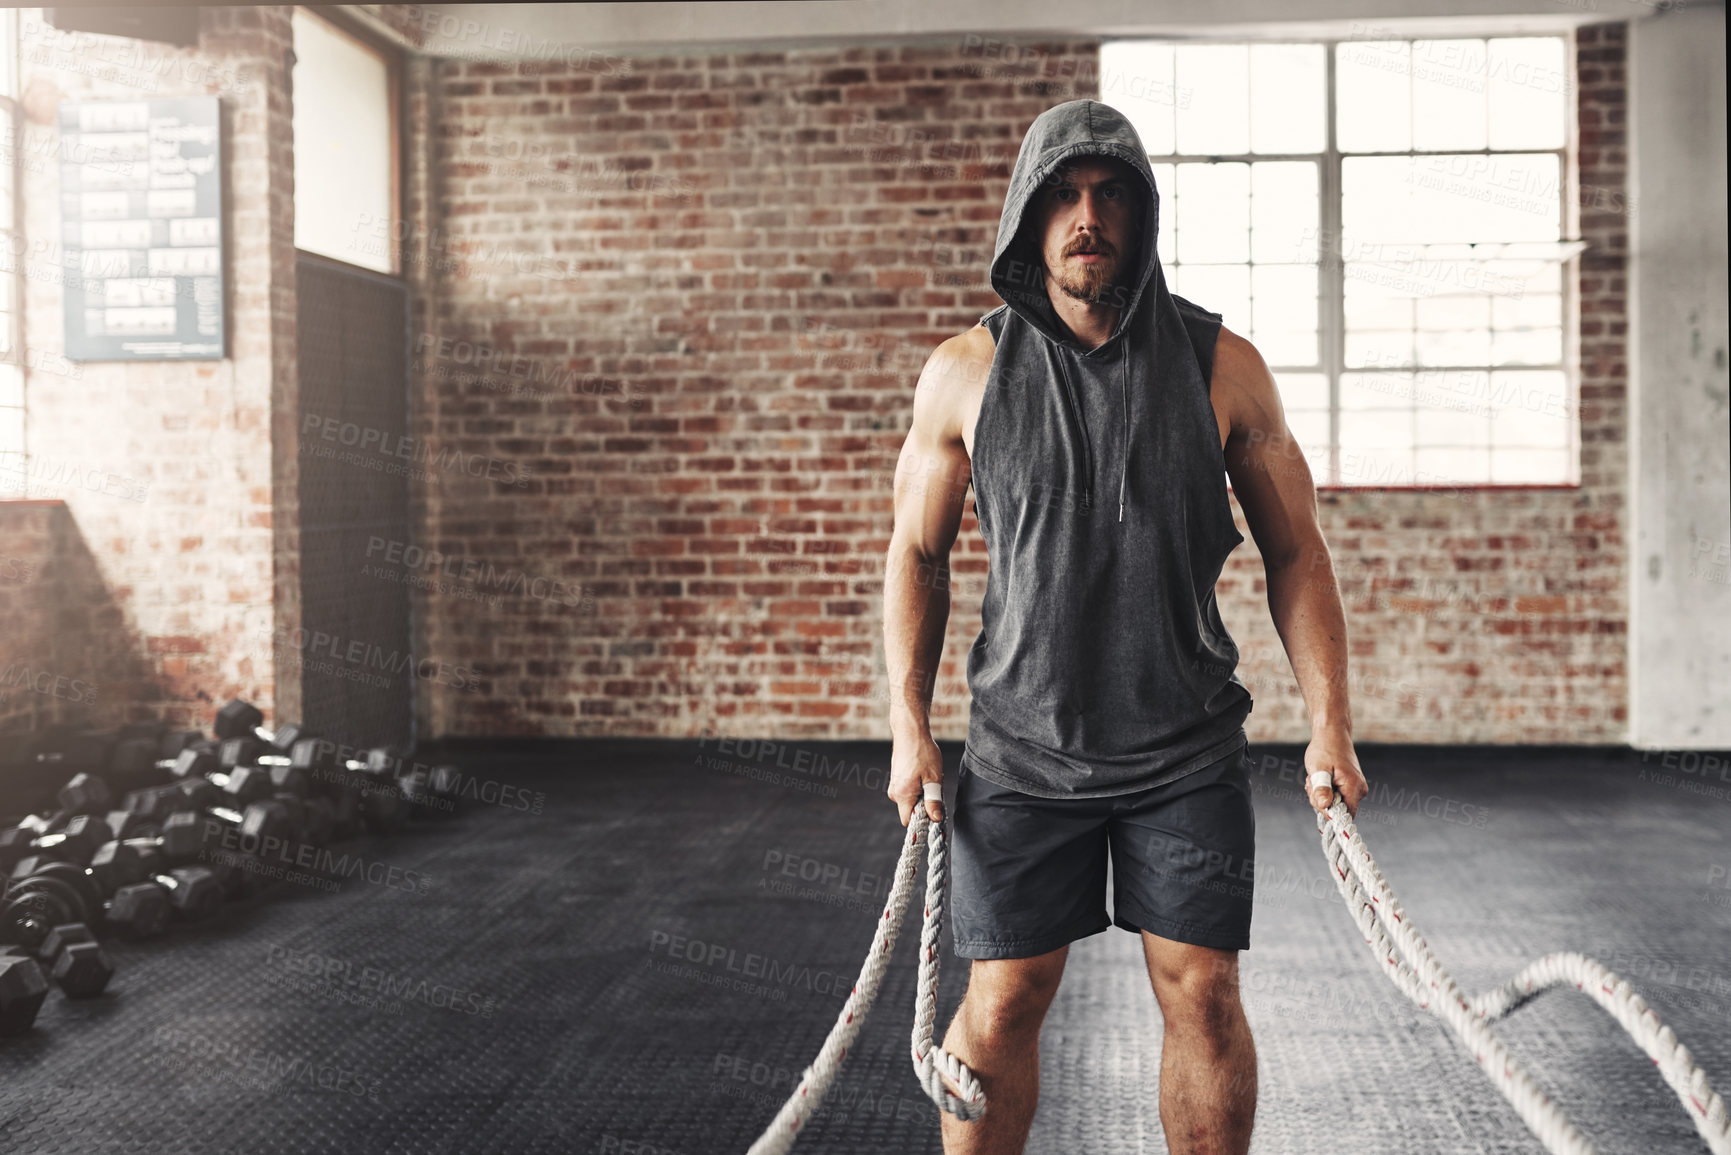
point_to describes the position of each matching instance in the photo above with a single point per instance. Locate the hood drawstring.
(1124, 392)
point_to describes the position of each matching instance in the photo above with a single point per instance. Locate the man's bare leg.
(1208, 1059)
(996, 1032)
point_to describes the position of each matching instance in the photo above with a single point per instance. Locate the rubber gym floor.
(503, 980)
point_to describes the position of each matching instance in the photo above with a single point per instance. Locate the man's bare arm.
(931, 483)
(1273, 484)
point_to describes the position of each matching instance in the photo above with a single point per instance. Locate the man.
(1097, 416)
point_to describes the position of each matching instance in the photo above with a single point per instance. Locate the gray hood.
(1058, 135)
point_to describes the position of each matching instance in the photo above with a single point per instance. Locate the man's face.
(1089, 215)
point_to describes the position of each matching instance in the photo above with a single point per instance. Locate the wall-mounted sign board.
(141, 214)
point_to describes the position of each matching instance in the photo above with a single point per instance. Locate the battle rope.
(930, 1060)
(1407, 959)
(1392, 937)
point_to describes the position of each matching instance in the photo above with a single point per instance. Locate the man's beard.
(1087, 281)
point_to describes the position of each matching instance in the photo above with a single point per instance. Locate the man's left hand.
(1331, 751)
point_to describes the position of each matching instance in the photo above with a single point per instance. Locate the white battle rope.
(929, 1059)
(1407, 959)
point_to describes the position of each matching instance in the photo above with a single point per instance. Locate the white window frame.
(1331, 277)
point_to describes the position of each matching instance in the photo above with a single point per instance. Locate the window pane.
(342, 147)
(1453, 330)
(12, 436)
(1364, 391)
(1310, 428)
(1450, 425)
(1136, 79)
(1286, 98)
(1360, 465)
(1454, 466)
(1373, 97)
(1224, 289)
(1529, 466)
(1285, 211)
(9, 53)
(1528, 82)
(1299, 391)
(1214, 207)
(1283, 315)
(1376, 429)
(8, 165)
(1448, 94)
(1530, 410)
(1464, 199)
(1527, 347)
(1216, 120)
(1168, 223)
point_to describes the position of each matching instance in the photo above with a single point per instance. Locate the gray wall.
(1680, 448)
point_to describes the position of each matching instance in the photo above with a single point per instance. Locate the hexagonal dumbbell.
(76, 961)
(139, 910)
(23, 987)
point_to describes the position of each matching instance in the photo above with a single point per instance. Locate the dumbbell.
(243, 784)
(76, 961)
(121, 873)
(181, 840)
(23, 987)
(382, 804)
(435, 788)
(241, 719)
(139, 910)
(154, 803)
(32, 907)
(195, 892)
(74, 842)
(309, 762)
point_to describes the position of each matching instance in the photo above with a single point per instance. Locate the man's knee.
(1198, 989)
(1007, 999)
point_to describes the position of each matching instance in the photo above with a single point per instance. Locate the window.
(13, 473)
(345, 138)
(1384, 221)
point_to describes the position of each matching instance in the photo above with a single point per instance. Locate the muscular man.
(1097, 417)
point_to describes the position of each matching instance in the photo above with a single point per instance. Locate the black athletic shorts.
(1028, 874)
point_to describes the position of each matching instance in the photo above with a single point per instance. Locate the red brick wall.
(632, 276)
(703, 287)
(66, 654)
(187, 535)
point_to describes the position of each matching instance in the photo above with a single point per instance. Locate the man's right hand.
(913, 763)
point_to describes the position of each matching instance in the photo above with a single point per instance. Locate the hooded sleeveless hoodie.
(1102, 666)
